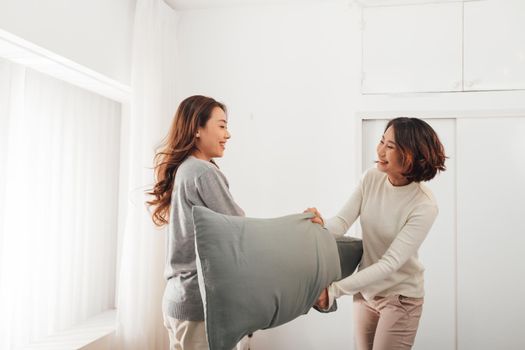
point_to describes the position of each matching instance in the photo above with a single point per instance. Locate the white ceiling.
(405, 2)
(181, 5)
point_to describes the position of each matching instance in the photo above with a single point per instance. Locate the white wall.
(96, 33)
(290, 76)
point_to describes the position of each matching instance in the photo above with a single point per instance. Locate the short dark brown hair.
(422, 153)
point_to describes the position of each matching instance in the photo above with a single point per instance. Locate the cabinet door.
(494, 45)
(491, 233)
(413, 48)
(438, 255)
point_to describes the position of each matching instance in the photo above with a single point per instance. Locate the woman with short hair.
(396, 212)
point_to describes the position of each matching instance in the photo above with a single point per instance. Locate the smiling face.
(389, 158)
(212, 138)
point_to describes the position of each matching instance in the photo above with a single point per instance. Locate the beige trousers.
(191, 335)
(386, 323)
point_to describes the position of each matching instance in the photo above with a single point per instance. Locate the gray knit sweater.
(197, 182)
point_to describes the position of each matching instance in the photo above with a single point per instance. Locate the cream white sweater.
(395, 221)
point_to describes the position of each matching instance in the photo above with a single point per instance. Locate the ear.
(407, 162)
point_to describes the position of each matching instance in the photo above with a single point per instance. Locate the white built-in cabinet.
(444, 47)
(412, 48)
(474, 254)
(491, 233)
(494, 57)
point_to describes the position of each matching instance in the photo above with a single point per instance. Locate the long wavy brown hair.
(179, 144)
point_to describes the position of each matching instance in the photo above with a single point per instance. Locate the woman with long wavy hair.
(186, 175)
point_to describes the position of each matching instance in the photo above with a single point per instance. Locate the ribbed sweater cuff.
(184, 311)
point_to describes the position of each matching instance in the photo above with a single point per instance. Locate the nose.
(228, 135)
(380, 149)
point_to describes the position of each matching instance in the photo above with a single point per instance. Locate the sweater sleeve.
(404, 246)
(212, 188)
(339, 224)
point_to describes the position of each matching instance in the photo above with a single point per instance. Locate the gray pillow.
(261, 273)
(350, 250)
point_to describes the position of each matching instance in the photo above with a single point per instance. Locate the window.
(59, 174)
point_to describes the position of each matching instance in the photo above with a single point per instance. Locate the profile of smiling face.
(212, 137)
(390, 158)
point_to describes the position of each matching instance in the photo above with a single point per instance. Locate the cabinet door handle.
(471, 83)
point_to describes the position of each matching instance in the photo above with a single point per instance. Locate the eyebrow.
(383, 138)
(223, 120)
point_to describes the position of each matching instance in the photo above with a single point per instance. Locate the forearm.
(336, 225)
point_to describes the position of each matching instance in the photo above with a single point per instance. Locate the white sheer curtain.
(153, 104)
(59, 162)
